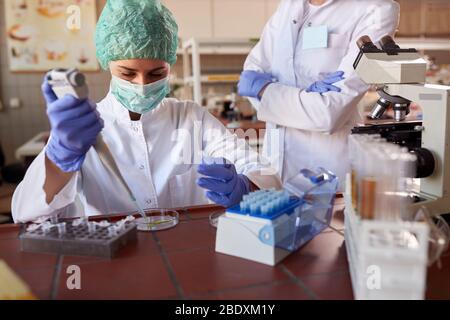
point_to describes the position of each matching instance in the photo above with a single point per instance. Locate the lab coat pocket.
(184, 190)
(324, 60)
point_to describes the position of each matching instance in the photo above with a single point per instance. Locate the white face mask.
(139, 98)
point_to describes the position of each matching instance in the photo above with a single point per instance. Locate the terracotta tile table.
(180, 263)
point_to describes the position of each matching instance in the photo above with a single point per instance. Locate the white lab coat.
(156, 156)
(309, 129)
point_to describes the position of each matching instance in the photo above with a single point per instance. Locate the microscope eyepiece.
(364, 40)
(387, 43)
(365, 43)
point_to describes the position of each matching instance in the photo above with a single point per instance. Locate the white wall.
(221, 18)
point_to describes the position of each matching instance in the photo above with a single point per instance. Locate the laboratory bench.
(181, 263)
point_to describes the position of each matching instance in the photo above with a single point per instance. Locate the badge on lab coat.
(315, 37)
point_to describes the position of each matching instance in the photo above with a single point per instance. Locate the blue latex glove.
(251, 83)
(226, 187)
(75, 125)
(326, 85)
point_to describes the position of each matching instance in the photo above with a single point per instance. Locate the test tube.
(407, 172)
(112, 231)
(286, 199)
(355, 155)
(369, 183)
(92, 226)
(382, 157)
(368, 198)
(119, 226)
(379, 178)
(253, 207)
(243, 205)
(130, 218)
(54, 219)
(279, 201)
(103, 224)
(46, 227)
(359, 170)
(265, 209)
(79, 222)
(61, 228)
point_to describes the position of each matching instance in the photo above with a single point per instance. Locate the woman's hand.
(75, 125)
(226, 187)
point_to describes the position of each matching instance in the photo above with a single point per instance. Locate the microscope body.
(400, 76)
(435, 103)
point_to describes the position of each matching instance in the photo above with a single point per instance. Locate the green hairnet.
(136, 29)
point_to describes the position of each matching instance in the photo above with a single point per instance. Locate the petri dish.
(157, 220)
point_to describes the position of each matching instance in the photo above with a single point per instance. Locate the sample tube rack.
(388, 259)
(101, 239)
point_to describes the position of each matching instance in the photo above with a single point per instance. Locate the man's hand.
(326, 85)
(252, 83)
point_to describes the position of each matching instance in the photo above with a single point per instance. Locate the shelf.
(215, 78)
(222, 46)
(434, 44)
(243, 47)
(221, 51)
(177, 81)
(33, 147)
(193, 49)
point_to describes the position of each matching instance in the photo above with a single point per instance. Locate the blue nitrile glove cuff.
(245, 184)
(67, 161)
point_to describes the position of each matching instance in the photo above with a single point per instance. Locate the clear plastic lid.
(311, 182)
(318, 190)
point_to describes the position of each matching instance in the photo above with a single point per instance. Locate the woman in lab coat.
(155, 141)
(308, 121)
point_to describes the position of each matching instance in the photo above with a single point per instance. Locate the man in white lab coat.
(156, 142)
(309, 119)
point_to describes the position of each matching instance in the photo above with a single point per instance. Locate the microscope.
(399, 76)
